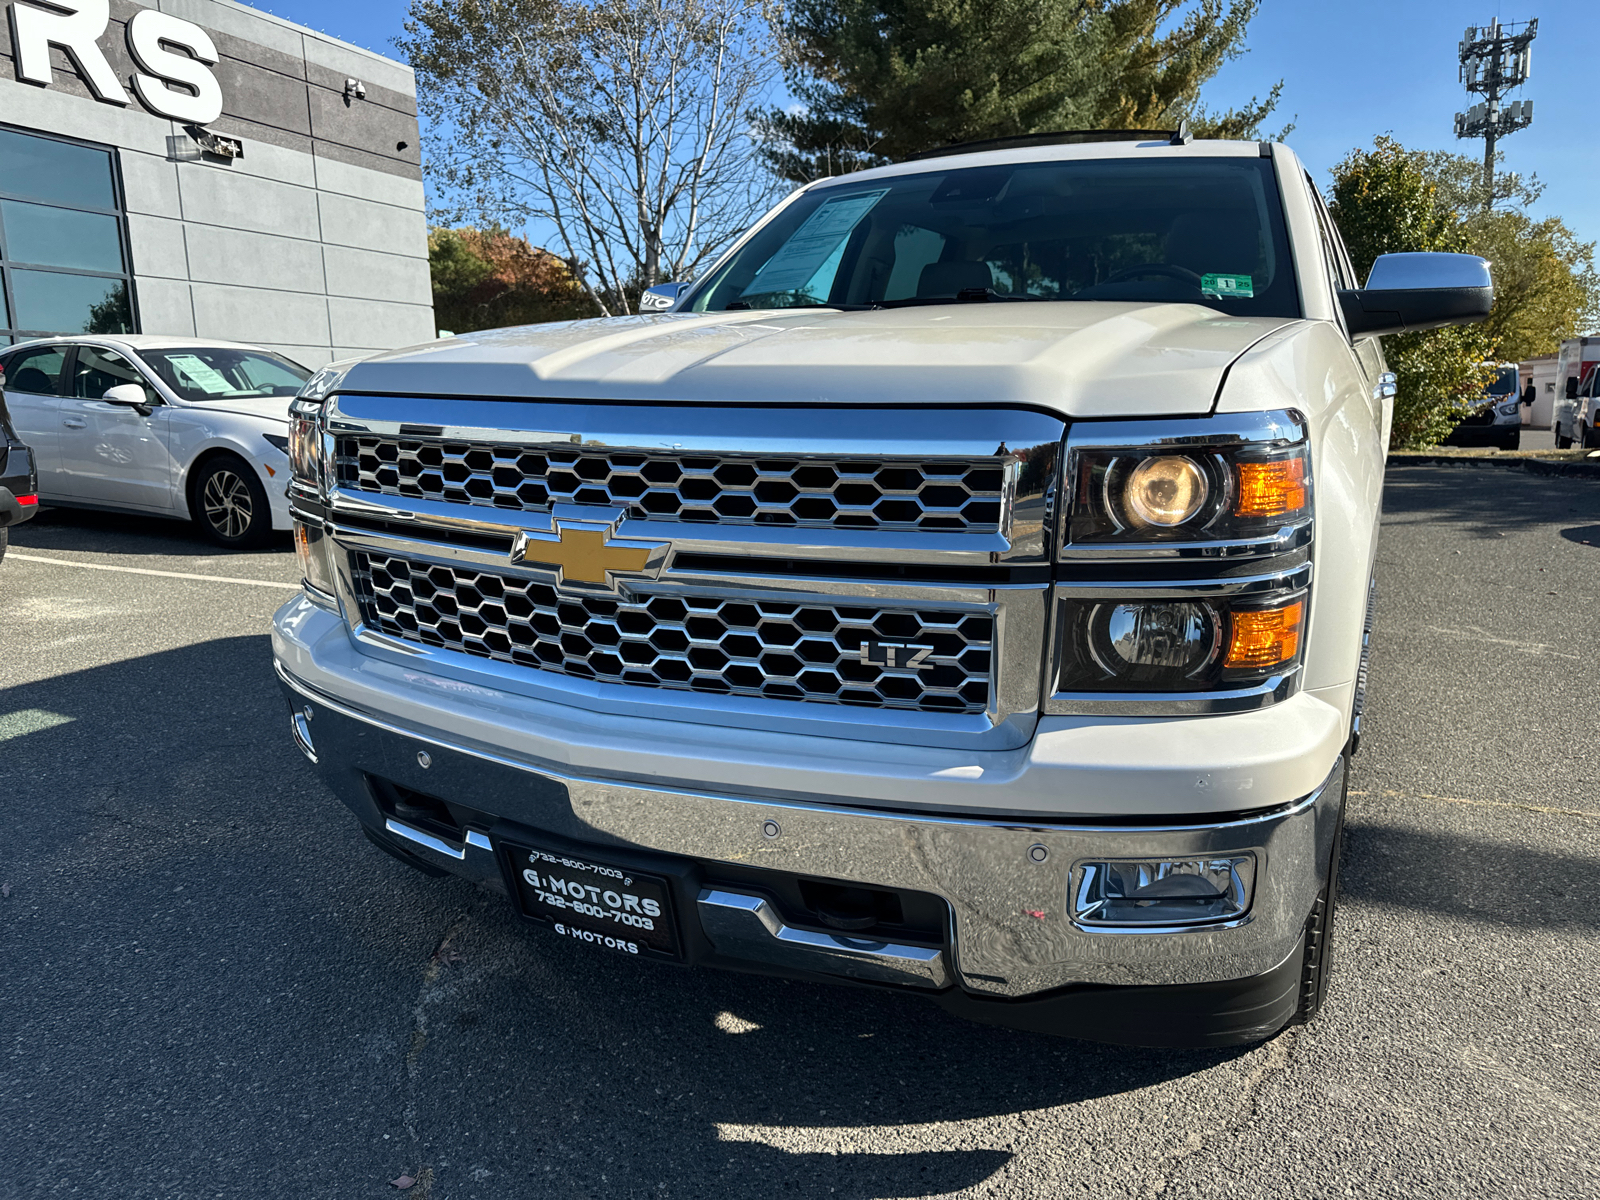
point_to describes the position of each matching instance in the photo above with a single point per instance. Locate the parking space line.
(62, 562)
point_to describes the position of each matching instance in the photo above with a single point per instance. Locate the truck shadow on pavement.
(200, 943)
(1470, 879)
(1583, 535)
(1490, 501)
(98, 532)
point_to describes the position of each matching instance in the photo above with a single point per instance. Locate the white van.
(1573, 419)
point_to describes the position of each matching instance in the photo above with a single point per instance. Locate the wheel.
(1318, 964)
(1513, 442)
(230, 505)
(1562, 443)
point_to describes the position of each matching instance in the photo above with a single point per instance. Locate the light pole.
(1495, 59)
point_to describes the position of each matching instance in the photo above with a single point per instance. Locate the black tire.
(1318, 964)
(1514, 442)
(1563, 443)
(5, 536)
(229, 504)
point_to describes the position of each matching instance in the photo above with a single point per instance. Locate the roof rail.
(1061, 137)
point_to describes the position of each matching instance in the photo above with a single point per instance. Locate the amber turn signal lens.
(1271, 489)
(1265, 637)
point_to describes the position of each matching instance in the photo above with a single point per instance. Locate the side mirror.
(1407, 292)
(661, 297)
(129, 395)
(1572, 387)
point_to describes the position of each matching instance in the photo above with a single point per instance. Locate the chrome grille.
(800, 651)
(962, 495)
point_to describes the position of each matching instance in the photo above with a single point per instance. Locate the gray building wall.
(315, 241)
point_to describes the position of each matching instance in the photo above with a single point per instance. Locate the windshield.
(1202, 230)
(1505, 382)
(206, 373)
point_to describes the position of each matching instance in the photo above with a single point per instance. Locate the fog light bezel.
(1092, 911)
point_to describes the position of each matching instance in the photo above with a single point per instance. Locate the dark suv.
(19, 484)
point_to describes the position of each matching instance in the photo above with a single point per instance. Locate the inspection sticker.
(1227, 285)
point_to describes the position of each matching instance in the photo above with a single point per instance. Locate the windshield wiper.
(964, 296)
(741, 305)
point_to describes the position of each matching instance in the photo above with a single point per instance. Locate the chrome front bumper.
(1005, 881)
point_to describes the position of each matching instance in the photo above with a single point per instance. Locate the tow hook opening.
(841, 906)
(414, 808)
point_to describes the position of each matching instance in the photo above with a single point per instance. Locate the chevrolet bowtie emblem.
(584, 552)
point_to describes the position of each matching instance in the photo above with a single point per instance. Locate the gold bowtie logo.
(585, 552)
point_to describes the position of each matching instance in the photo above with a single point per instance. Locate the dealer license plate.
(594, 902)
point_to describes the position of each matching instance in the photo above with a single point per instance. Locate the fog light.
(1150, 892)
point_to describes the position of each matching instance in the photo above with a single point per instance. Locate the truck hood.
(1080, 359)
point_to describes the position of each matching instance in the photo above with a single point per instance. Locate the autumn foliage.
(490, 278)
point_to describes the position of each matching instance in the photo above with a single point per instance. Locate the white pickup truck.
(962, 588)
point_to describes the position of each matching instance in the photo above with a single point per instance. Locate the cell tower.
(1495, 59)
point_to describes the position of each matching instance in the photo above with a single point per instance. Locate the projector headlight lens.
(1165, 491)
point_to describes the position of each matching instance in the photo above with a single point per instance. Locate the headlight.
(1210, 487)
(1510, 409)
(1165, 491)
(305, 444)
(277, 441)
(1131, 645)
(315, 552)
(1184, 565)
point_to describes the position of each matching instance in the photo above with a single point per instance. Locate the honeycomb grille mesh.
(951, 495)
(807, 651)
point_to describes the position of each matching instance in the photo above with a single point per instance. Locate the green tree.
(1385, 203)
(882, 79)
(489, 278)
(1545, 285)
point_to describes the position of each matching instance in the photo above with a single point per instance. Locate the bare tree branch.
(623, 124)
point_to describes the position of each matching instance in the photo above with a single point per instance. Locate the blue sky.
(1352, 69)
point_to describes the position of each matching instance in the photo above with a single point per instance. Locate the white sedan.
(174, 427)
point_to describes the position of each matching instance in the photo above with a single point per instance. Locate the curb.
(1534, 466)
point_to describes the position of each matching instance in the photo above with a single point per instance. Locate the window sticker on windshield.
(202, 375)
(823, 233)
(1228, 285)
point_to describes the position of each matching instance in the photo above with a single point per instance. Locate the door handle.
(76, 424)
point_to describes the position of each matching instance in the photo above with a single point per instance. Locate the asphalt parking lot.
(210, 985)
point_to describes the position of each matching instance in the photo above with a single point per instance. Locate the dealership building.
(200, 168)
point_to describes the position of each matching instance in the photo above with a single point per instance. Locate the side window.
(1332, 249)
(36, 371)
(98, 371)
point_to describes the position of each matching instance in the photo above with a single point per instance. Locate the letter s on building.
(147, 30)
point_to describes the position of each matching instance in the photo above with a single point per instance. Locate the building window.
(63, 241)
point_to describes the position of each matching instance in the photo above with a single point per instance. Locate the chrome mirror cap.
(1413, 272)
(661, 297)
(1408, 292)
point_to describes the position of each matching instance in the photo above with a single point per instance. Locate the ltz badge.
(896, 654)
